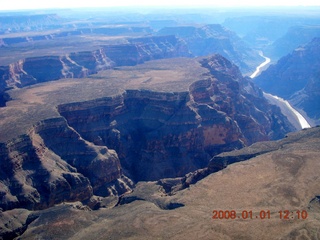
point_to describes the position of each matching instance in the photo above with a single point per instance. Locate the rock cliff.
(159, 134)
(87, 150)
(262, 30)
(126, 125)
(6, 41)
(214, 38)
(296, 36)
(277, 176)
(33, 70)
(53, 164)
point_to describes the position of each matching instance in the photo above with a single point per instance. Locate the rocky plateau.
(144, 124)
(71, 150)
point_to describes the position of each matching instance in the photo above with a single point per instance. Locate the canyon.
(275, 176)
(215, 38)
(295, 77)
(105, 145)
(142, 125)
(33, 70)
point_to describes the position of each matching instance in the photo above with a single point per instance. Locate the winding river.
(259, 68)
(280, 101)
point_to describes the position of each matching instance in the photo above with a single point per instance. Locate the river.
(285, 106)
(259, 68)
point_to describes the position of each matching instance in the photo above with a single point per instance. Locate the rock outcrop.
(83, 150)
(81, 64)
(159, 134)
(277, 176)
(53, 164)
(127, 129)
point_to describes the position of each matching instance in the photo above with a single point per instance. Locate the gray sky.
(37, 4)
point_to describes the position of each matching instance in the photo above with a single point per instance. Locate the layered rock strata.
(216, 39)
(159, 134)
(53, 164)
(278, 175)
(97, 147)
(108, 31)
(34, 70)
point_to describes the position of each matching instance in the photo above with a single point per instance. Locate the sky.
(43, 4)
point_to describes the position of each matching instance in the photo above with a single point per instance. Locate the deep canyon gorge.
(140, 125)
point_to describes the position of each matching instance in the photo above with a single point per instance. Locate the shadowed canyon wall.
(101, 147)
(161, 134)
(296, 77)
(53, 164)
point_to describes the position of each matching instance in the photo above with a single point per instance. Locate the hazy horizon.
(35, 4)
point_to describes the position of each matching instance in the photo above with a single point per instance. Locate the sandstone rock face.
(159, 134)
(29, 182)
(100, 147)
(53, 164)
(277, 176)
(99, 164)
(244, 102)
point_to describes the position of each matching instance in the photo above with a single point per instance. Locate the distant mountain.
(20, 23)
(258, 25)
(260, 31)
(107, 31)
(296, 77)
(214, 38)
(296, 36)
